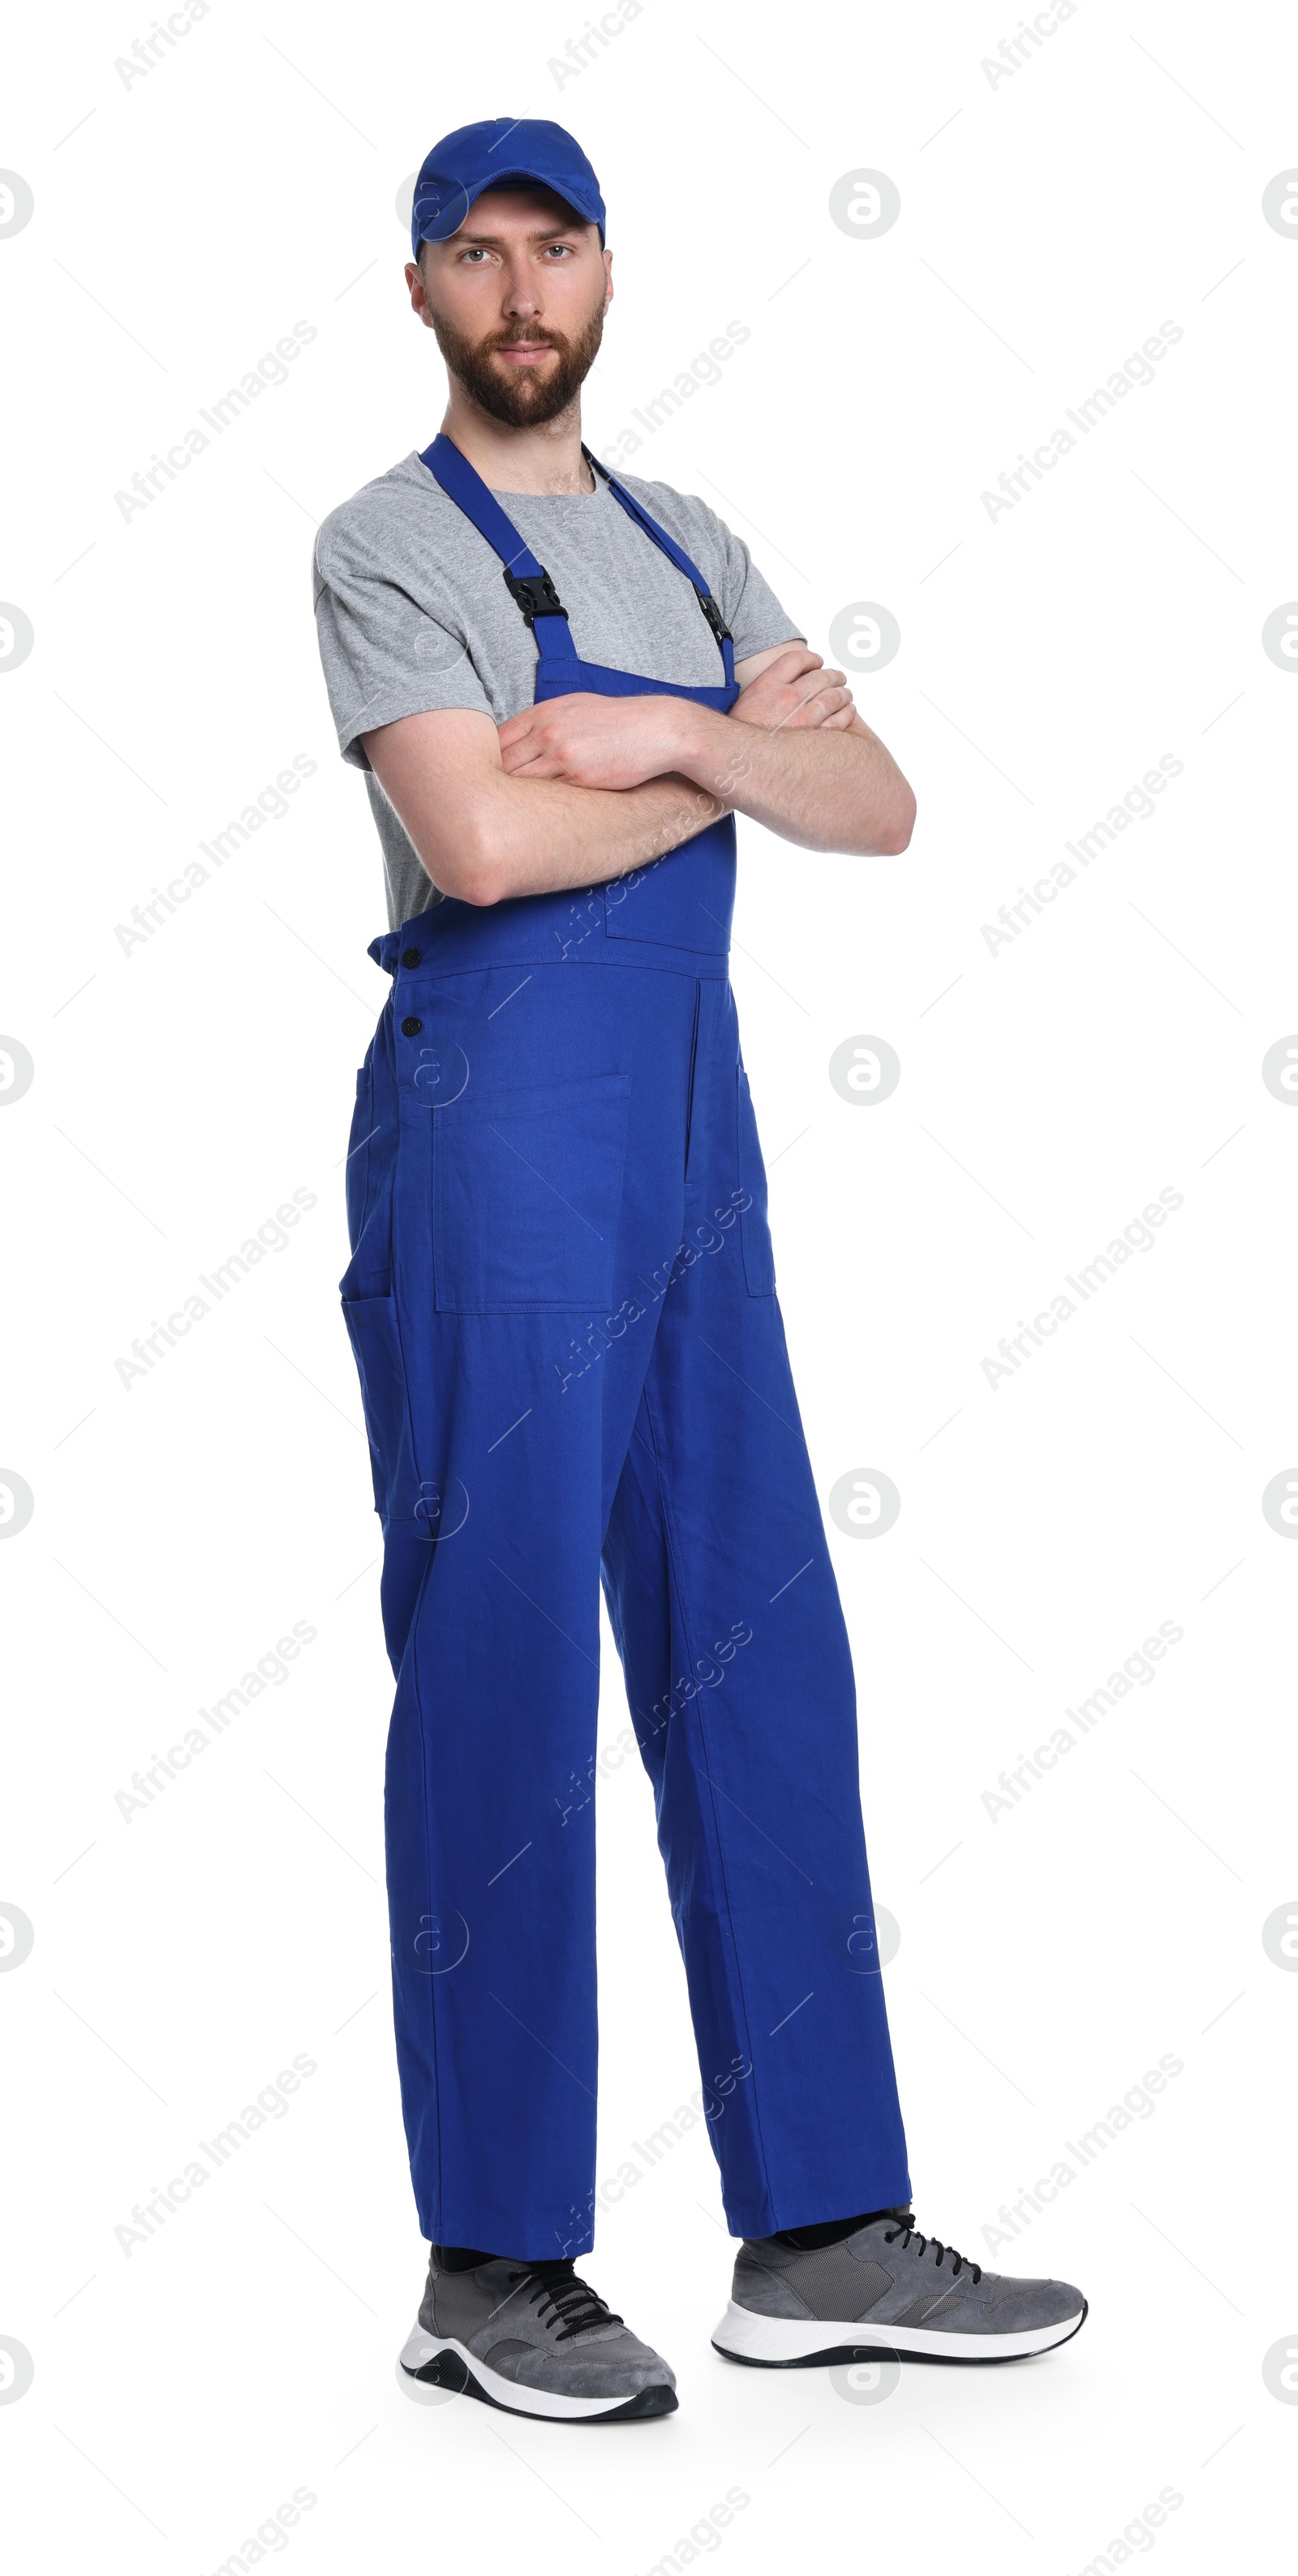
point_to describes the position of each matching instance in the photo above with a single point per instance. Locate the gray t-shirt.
(413, 614)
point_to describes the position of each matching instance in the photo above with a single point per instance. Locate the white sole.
(422, 2352)
(743, 2335)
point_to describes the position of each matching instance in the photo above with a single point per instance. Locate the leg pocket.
(755, 1233)
(376, 1346)
(527, 1192)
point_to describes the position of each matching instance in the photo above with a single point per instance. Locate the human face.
(517, 299)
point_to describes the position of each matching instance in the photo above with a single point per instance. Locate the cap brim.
(453, 217)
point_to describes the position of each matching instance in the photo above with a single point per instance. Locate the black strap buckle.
(536, 595)
(713, 615)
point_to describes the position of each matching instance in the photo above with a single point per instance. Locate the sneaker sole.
(789, 2343)
(443, 2363)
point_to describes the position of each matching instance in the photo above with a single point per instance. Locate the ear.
(414, 277)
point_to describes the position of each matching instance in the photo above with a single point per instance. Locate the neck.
(544, 457)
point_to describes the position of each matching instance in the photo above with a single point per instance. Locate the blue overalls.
(561, 1301)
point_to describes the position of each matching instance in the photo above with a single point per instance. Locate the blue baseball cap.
(503, 151)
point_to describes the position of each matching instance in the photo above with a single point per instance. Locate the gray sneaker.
(885, 2289)
(534, 2339)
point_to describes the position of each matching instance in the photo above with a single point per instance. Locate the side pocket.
(376, 1347)
(359, 1158)
(370, 1174)
(755, 1233)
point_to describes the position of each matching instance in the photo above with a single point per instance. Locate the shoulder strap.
(528, 581)
(675, 554)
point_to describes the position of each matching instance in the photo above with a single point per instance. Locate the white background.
(1049, 223)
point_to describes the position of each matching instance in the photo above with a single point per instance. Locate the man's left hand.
(795, 689)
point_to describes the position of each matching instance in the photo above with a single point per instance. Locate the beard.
(521, 397)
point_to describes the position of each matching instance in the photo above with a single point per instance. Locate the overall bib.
(562, 1305)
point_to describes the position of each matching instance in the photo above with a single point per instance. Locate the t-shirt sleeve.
(384, 653)
(751, 610)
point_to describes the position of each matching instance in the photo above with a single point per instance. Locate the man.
(561, 687)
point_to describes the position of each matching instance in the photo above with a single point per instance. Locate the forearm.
(539, 836)
(484, 836)
(824, 789)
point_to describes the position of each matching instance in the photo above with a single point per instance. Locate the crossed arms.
(578, 789)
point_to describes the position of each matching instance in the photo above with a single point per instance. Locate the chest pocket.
(527, 1194)
(682, 901)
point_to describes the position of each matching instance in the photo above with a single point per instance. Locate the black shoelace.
(906, 2228)
(572, 2305)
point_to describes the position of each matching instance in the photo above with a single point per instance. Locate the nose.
(522, 294)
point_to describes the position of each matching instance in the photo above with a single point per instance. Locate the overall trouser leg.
(491, 1882)
(559, 1167)
(739, 1676)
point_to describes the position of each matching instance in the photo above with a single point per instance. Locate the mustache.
(527, 339)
